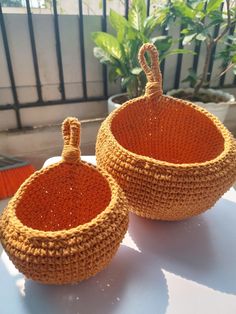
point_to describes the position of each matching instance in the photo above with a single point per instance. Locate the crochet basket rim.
(63, 233)
(219, 126)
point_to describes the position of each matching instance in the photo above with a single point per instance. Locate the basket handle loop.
(153, 72)
(71, 136)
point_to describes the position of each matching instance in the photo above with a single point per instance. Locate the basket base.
(77, 268)
(166, 216)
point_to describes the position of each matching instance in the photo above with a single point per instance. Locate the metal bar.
(222, 78)
(10, 70)
(212, 58)
(148, 7)
(54, 102)
(34, 51)
(71, 101)
(82, 51)
(162, 65)
(179, 62)
(8, 57)
(126, 8)
(18, 118)
(7, 107)
(104, 29)
(58, 50)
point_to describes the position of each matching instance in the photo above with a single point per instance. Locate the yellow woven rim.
(154, 90)
(67, 158)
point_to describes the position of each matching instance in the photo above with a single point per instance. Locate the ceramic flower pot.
(219, 109)
(112, 104)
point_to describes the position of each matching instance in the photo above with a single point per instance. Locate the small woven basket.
(66, 221)
(172, 158)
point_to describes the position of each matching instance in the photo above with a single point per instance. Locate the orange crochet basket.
(66, 221)
(172, 158)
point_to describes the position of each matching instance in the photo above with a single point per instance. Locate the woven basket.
(172, 158)
(66, 221)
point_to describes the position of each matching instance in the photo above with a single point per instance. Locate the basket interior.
(167, 130)
(63, 198)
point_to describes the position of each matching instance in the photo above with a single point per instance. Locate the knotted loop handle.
(153, 73)
(71, 136)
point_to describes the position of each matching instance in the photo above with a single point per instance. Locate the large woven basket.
(172, 158)
(66, 221)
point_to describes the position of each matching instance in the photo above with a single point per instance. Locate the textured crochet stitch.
(173, 159)
(66, 221)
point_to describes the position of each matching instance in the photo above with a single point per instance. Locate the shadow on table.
(201, 249)
(118, 289)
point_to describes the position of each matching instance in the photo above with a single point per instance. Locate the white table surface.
(186, 267)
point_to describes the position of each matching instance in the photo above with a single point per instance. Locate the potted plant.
(197, 19)
(120, 52)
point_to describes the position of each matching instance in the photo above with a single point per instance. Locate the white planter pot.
(218, 109)
(113, 105)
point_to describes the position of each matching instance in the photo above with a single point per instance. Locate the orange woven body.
(172, 158)
(66, 221)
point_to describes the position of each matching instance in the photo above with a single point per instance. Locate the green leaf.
(108, 43)
(112, 74)
(137, 14)
(232, 38)
(201, 37)
(199, 7)
(104, 57)
(186, 31)
(182, 51)
(191, 78)
(150, 23)
(213, 5)
(178, 51)
(234, 70)
(125, 81)
(163, 15)
(131, 52)
(233, 59)
(184, 10)
(163, 43)
(136, 71)
(130, 34)
(119, 71)
(119, 23)
(215, 18)
(189, 38)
